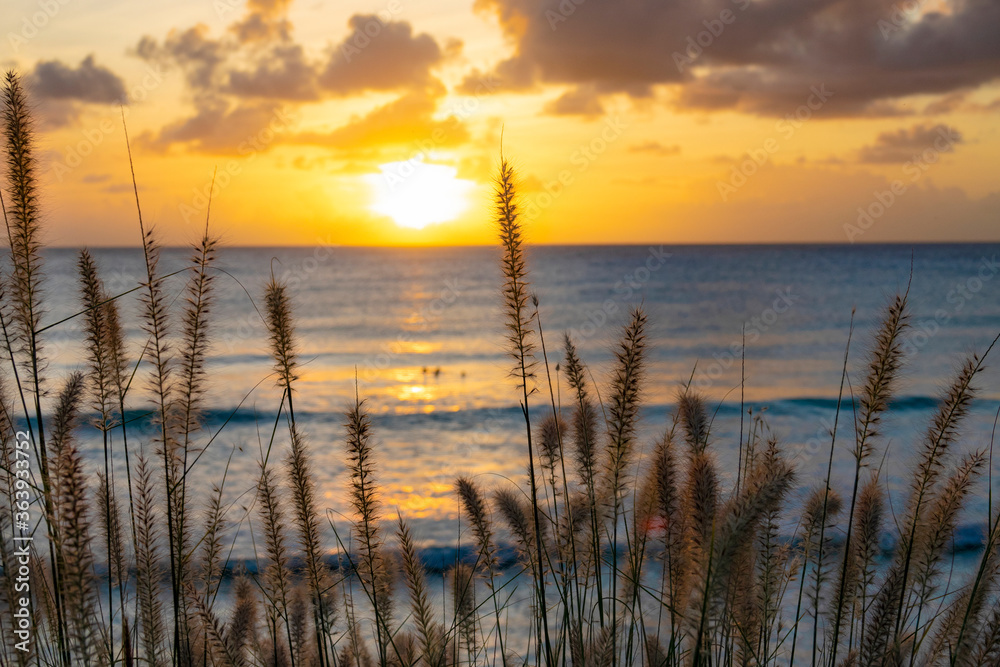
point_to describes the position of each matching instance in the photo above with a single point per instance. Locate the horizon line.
(417, 246)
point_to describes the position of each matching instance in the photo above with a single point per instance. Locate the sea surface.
(418, 334)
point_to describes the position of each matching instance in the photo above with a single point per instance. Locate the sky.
(634, 121)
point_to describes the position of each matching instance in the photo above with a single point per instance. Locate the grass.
(635, 553)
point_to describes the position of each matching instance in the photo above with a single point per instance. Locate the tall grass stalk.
(102, 391)
(884, 364)
(586, 458)
(372, 566)
(623, 412)
(518, 321)
(23, 222)
(474, 504)
(940, 436)
(571, 588)
(192, 354)
(162, 386)
(280, 325)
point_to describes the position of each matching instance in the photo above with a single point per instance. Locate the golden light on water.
(416, 194)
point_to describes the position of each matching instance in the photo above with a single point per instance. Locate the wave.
(969, 540)
(899, 404)
(473, 417)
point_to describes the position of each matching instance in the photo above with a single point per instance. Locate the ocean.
(418, 334)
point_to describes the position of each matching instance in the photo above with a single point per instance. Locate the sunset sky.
(633, 121)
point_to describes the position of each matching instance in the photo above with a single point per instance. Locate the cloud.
(514, 75)
(903, 145)
(88, 82)
(947, 104)
(407, 121)
(380, 56)
(377, 55)
(119, 188)
(268, 8)
(757, 56)
(655, 148)
(223, 130)
(959, 102)
(197, 54)
(56, 114)
(265, 20)
(580, 101)
(276, 70)
(283, 73)
(237, 81)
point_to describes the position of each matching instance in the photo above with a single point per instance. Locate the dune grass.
(634, 552)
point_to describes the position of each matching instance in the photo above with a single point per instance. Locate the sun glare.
(416, 194)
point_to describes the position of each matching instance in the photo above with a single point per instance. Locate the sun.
(416, 194)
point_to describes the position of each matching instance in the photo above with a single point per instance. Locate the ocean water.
(418, 333)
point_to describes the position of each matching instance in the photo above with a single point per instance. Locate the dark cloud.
(756, 56)
(946, 104)
(376, 55)
(380, 56)
(655, 148)
(197, 54)
(581, 101)
(959, 102)
(217, 125)
(120, 188)
(88, 82)
(237, 81)
(903, 145)
(277, 70)
(514, 75)
(283, 73)
(220, 129)
(265, 20)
